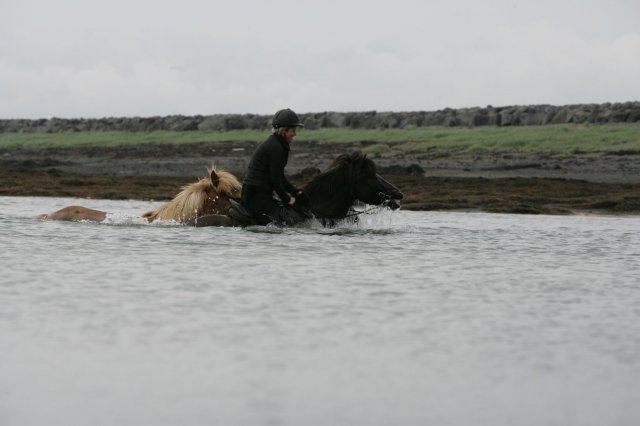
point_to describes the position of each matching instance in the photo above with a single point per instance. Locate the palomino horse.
(208, 196)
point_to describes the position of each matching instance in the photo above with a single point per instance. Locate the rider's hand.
(302, 199)
(292, 200)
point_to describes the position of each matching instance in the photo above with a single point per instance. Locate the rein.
(365, 211)
(371, 209)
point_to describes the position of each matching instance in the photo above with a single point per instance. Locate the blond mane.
(190, 202)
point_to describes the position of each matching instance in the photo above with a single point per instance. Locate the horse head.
(350, 177)
(368, 186)
(223, 187)
(210, 195)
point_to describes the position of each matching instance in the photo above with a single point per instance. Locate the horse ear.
(358, 158)
(215, 179)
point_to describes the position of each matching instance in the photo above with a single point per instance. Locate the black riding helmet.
(286, 118)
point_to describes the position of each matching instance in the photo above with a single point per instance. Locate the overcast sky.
(85, 58)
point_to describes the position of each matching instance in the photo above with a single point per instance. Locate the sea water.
(407, 318)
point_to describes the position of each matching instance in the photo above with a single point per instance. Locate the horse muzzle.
(393, 204)
(390, 193)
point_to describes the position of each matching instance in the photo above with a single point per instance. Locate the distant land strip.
(530, 115)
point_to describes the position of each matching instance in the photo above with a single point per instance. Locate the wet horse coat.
(209, 195)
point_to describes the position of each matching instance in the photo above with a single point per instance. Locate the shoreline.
(534, 183)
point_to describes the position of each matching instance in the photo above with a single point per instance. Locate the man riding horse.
(266, 175)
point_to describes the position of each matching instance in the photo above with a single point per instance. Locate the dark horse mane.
(345, 168)
(331, 191)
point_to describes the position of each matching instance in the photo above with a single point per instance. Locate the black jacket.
(266, 168)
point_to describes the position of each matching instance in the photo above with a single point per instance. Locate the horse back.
(75, 213)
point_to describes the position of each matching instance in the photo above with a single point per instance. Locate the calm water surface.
(407, 319)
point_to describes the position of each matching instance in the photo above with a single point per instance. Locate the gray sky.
(84, 58)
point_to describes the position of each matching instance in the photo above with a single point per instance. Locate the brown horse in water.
(208, 196)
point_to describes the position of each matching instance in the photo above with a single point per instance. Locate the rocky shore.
(509, 183)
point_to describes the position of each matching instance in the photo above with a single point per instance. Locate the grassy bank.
(560, 139)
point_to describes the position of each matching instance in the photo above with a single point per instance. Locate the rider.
(266, 175)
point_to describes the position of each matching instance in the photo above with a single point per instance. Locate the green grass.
(559, 139)
(70, 139)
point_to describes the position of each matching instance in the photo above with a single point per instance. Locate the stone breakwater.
(628, 112)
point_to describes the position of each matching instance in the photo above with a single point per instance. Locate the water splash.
(124, 219)
(378, 221)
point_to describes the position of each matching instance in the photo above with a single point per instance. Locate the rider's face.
(290, 134)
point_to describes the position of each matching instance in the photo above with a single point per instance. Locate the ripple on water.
(400, 319)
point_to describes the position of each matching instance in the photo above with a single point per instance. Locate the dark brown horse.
(350, 177)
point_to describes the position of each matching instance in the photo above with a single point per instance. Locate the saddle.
(285, 217)
(240, 213)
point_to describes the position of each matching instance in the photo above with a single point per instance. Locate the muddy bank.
(501, 195)
(191, 160)
(493, 182)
